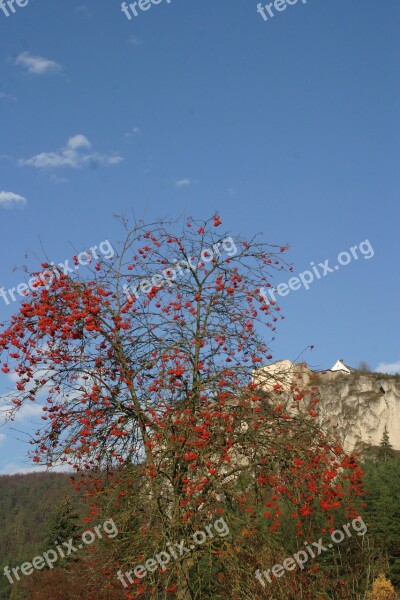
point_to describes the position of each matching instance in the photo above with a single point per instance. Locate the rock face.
(360, 405)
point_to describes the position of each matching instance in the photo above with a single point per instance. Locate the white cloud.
(72, 155)
(29, 410)
(78, 141)
(13, 468)
(3, 438)
(26, 412)
(37, 65)
(10, 200)
(390, 368)
(182, 182)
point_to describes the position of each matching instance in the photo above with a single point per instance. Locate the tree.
(382, 589)
(364, 367)
(385, 451)
(146, 367)
(62, 527)
(382, 483)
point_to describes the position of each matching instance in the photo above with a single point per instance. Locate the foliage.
(382, 482)
(382, 589)
(385, 451)
(151, 391)
(25, 503)
(62, 526)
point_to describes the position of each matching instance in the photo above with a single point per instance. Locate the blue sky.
(288, 127)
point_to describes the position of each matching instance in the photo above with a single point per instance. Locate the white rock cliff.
(357, 405)
(360, 405)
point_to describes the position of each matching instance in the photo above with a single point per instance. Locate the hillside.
(26, 502)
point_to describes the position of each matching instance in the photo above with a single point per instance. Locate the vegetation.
(26, 501)
(364, 367)
(382, 589)
(377, 552)
(382, 481)
(149, 399)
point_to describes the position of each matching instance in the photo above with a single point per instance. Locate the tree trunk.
(183, 590)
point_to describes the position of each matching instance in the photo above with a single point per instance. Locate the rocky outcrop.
(360, 406)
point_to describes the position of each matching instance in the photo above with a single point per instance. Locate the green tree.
(382, 481)
(62, 526)
(385, 451)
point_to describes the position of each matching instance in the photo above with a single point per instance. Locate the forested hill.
(26, 502)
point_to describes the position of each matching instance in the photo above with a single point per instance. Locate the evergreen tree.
(382, 482)
(385, 448)
(62, 526)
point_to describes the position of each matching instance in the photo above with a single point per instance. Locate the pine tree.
(385, 448)
(62, 526)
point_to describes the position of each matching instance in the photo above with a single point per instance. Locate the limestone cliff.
(360, 405)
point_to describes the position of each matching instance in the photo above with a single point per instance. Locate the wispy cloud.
(83, 9)
(134, 133)
(57, 179)
(37, 65)
(182, 182)
(134, 40)
(3, 438)
(4, 96)
(390, 368)
(11, 200)
(75, 154)
(27, 412)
